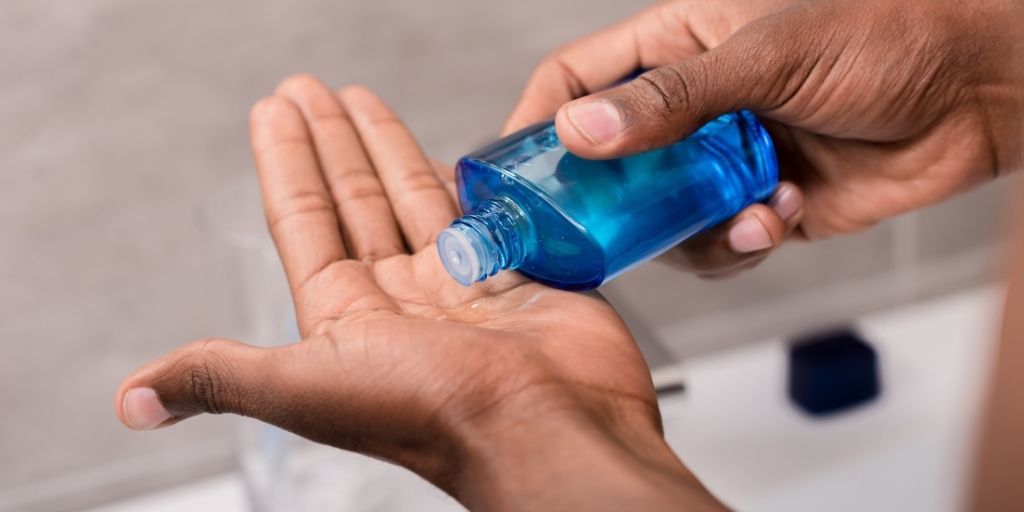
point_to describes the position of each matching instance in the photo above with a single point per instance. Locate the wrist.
(557, 454)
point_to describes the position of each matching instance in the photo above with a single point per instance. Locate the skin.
(510, 395)
(401, 362)
(996, 485)
(877, 107)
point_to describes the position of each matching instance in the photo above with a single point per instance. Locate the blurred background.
(132, 225)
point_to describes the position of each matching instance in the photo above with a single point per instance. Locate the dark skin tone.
(1001, 452)
(510, 395)
(877, 107)
(398, 360)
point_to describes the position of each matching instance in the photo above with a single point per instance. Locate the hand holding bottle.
(490, 392)
(572, 223)
(876, 107)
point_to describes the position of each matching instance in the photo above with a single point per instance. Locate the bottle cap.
(459, 255)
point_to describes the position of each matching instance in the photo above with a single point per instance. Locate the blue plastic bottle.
(572, 223)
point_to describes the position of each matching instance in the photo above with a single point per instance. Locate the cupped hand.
(877, 107)
(397, 359)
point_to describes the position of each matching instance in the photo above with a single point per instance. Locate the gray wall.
(120, 119)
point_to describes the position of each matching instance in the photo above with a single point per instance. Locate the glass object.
(574, 223)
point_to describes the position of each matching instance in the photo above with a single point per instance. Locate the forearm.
(570, 461)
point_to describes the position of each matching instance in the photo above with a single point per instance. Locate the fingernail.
(598, 121)
(749, 236)
(143, 410)
(785, 203)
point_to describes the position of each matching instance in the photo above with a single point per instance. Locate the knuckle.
(354, 184)
(782, 52)
(419, 179)
(555, 68)
(666, 91)
(547, 66)
(203, 375)
(768, 32)
(299, 205)
(674, 18)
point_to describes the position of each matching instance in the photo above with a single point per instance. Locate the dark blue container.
(832, 371)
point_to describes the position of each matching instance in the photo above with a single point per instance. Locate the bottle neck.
(495, 236)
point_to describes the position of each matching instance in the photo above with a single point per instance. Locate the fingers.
(745, 240)
(213, 376)
(446, 174)
(603, 58)
(754, 69)
(573, 71)
(420, 201)
(299, 208)
(367, 223)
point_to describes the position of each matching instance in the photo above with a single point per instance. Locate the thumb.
(209, 376)
(755, 69)
(321, 389)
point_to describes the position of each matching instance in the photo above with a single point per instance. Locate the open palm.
(398, 360)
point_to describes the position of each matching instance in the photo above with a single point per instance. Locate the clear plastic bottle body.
(575, 223)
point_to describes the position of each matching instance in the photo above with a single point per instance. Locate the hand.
(476, 389)
(877, 107)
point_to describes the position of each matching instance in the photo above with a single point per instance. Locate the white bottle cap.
(459, 255)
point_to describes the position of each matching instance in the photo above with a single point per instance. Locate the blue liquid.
(574, 223)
